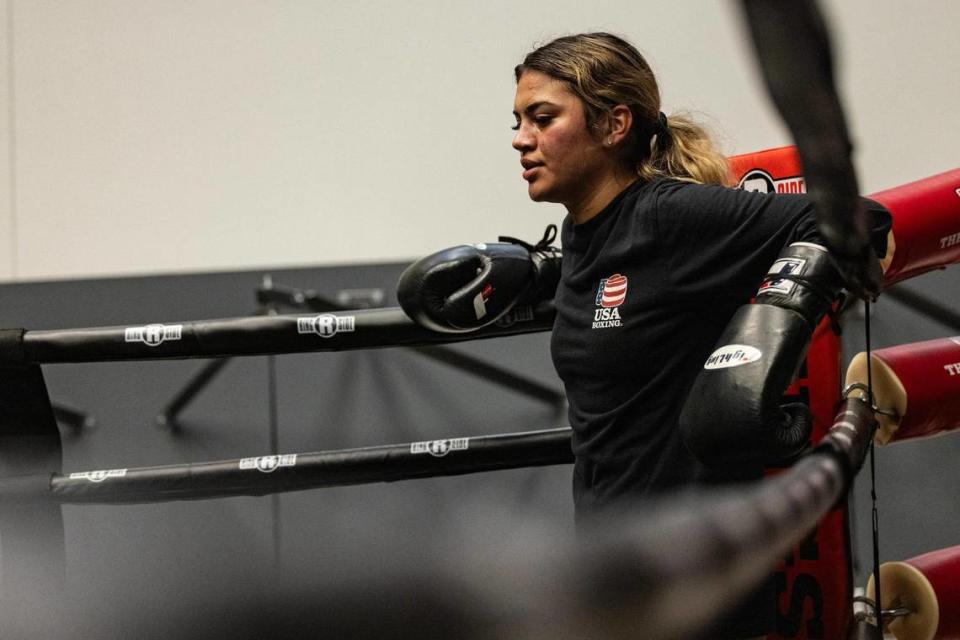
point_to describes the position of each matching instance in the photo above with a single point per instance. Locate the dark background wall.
(210, 566)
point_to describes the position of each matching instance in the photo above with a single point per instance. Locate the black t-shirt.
(647, 286)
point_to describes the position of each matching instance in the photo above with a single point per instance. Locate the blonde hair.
(604, 71)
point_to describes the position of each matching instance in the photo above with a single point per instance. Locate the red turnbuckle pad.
(930, 374)
(916, 388)
(926, 225)
(927, 590)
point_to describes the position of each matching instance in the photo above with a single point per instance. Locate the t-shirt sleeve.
(719, 242)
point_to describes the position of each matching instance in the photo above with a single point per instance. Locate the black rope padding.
(11, 345)
(265, 475)
(793, 49)
(263, 335)
(676, 565)
(850, 436)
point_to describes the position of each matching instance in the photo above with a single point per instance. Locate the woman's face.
(562, 161)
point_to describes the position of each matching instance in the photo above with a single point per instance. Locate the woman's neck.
(600, 196)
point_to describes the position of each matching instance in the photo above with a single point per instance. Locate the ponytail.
(683, 150)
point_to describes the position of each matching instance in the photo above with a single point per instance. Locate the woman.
(657, 256)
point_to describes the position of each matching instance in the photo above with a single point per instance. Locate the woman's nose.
(523, 140)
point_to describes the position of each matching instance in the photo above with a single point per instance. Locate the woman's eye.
(541, 121)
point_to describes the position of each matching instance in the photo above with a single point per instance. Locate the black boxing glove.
(467, 287)
(733, 414)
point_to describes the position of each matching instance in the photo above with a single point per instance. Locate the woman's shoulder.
(679, 189)
(672, 198)
(681, 196)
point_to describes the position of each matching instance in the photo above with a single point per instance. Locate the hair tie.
(662, 126)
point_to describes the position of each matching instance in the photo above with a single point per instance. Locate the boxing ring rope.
(271, 297)
(677, 565)
(311, 301)
(247, 336)
(680, 566)
(264, 475)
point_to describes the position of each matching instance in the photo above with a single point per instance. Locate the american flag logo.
(612, 291)
(784, 266)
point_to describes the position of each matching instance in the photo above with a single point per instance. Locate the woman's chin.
(538, 193)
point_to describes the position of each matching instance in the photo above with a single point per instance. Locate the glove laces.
(549, 235)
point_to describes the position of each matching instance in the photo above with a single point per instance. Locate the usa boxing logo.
(610, 295)
(783, 266)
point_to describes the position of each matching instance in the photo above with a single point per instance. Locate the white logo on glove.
(732, 355)
(479, 306)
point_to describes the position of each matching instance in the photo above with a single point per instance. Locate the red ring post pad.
(257, 335)
(928, 587)
(930, 374)
(814, 582)
(942, 569)
(926, 225)
(270, 474)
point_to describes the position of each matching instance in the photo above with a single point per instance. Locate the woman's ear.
(619, 123)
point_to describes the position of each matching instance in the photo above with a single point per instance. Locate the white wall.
(182, 135)
(7, 234)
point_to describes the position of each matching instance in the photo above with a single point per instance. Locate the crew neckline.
(586, 229)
